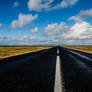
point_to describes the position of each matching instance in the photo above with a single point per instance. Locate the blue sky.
(45, 22)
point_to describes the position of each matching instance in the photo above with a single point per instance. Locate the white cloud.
(35, 30)
(25, 36)
(65, 4)
(34, 5)
(55, 29)
(1, 25)
(80, 30)
(83, 14)
(15, 4)
(45, 41)
(39, 5)
(3, 38)
(23, 19)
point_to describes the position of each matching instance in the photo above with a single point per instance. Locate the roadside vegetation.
(87, 49)
(18, 50)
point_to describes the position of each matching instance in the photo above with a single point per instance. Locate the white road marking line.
(58, 78)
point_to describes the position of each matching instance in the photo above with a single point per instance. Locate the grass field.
(87, 49)
(13, 51)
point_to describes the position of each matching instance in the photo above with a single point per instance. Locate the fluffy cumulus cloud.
(65, 4)
(1, 25)
(35, 30)
(23, 19)
(80, 30)
(55, 29)
(83, 14)
(15, 4)
(39, 5)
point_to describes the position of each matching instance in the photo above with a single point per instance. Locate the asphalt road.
(30, 73)
(47, 71)
(77, 70)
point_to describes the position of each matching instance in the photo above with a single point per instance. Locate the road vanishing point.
(55, 69)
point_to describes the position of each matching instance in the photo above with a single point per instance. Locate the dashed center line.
(58, 78)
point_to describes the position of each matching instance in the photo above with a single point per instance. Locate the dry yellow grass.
(87, 49)
(13, 51)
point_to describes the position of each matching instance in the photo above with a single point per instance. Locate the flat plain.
(87, 49)
(8, 51)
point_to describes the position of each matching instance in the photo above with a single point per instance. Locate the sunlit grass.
(87, 49)
(13, 51)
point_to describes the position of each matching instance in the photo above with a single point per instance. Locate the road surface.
(43, 71)
(31, 73)
(77, 70)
